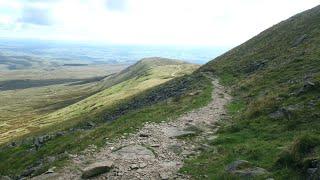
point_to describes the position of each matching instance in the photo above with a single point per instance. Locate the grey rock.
(134, 167)
(237, 165)
(245, 169)
(91, 124)
(134, 152)
(177, 149)
(251, 172)
(313, 173)
(312, 170)
(308, 85)
(59, 133)
(5, 178)
(276, 115)
(299, 40)
(187, 153)
(39, 141)
(211, 138)
(174, 132)
(164, 175)
(143, 165)
(97, 169)
(50, 170)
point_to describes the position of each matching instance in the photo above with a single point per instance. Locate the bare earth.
(156, 151)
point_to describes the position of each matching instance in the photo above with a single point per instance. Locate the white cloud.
(187, 22)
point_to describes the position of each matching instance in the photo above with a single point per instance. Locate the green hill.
(147, 66)
(275, 116)
(141, 76)
(159, 93)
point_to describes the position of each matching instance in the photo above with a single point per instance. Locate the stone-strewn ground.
(157, 151)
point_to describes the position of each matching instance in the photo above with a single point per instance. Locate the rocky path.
(157, 151)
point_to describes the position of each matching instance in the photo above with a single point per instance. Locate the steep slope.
(275, 115)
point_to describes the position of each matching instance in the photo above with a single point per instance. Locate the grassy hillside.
(127, 83)
(152, 97)
(275, 115)
(162, 67)
(26, 95)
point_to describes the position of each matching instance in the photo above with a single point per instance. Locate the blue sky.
(175, 22)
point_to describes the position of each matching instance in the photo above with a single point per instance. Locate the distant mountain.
(88, 53)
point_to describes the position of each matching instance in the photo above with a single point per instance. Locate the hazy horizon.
(97, 53)
(145, 22)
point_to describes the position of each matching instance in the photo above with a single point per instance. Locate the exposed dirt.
(157, 151)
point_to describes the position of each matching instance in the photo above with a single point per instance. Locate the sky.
(221, 23)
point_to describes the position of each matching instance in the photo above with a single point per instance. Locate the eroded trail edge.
(157, 151)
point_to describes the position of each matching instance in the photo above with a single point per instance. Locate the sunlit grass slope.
(29, 94)
(143, 75)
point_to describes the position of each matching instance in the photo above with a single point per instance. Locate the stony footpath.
(156, 151)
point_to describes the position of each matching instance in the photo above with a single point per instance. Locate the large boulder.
(97, 169)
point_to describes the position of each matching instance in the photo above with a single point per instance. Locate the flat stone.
(187, 153)
(174, 132)
(134, 152)
(97, 169)
(51, 170)
(211, 138)
(134, 167)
